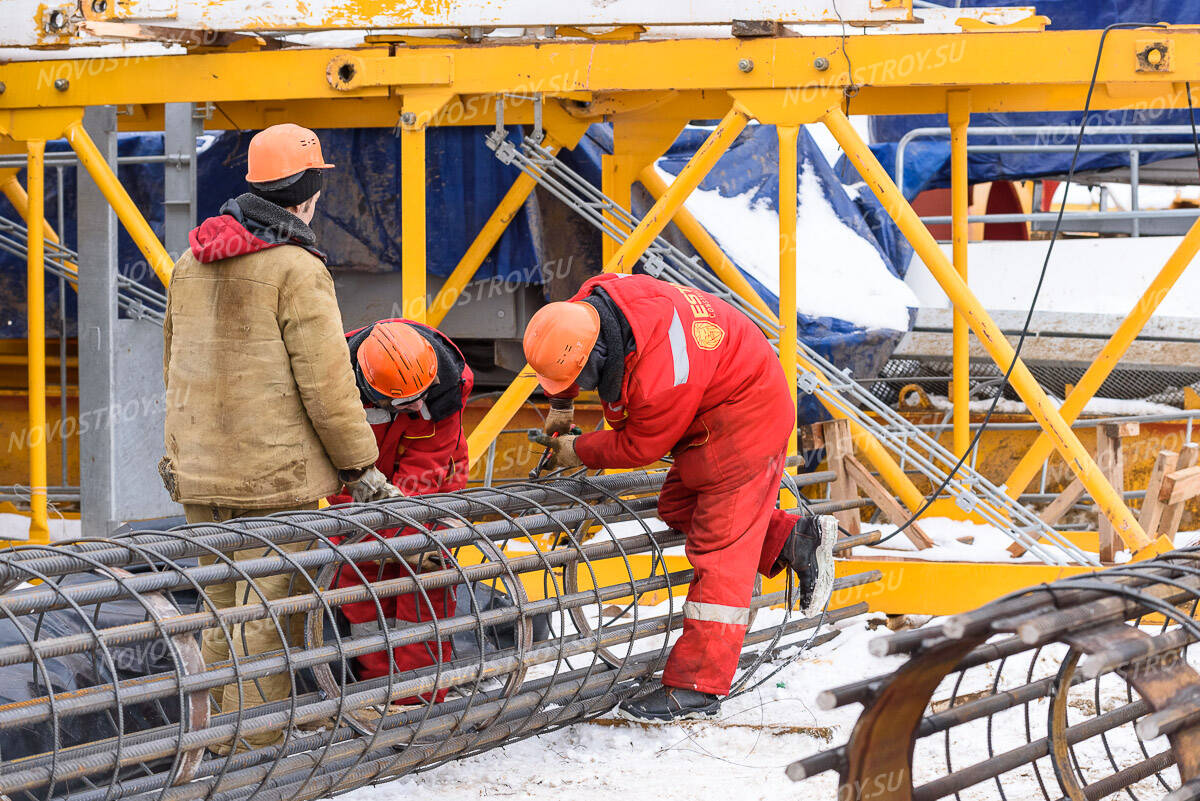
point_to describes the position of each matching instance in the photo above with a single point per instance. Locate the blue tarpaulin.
(927, 160)
(358, 219)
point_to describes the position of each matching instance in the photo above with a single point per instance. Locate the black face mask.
(589, 377)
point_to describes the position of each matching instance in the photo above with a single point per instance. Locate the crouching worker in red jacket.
(414, 384)
(681, 371)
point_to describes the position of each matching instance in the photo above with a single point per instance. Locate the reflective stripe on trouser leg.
(724, 545)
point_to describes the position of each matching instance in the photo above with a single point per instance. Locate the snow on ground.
(743, 753)
(983, 543)
(830, 255)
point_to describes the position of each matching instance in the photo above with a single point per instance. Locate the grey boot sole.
(695, 715)
(824, 557)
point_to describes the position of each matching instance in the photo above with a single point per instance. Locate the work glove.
(560, 418)
(368, 485)
(562, 450)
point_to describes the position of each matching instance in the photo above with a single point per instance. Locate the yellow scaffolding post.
(1109, 357)
(891, 472)
(127, 212)
(35, 300)
(732, 124)
(412, 224)
(1043, 410)
(788, 191)
(959, 112)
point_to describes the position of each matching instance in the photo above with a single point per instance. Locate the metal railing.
(1135, 215)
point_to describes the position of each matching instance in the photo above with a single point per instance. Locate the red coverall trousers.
(723, 498)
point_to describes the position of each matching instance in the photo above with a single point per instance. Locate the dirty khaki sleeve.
(311, 326)
(167, 332)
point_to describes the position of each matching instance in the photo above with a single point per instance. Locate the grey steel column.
(96, 225)
(180, 129)
(120, 370)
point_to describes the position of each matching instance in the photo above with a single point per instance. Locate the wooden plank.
(1152, 506)
(1051, 514)
(881, 496)
(838, 448)
(1063, 503)
(1111, 460)
(1168, 527)
(1180, 485)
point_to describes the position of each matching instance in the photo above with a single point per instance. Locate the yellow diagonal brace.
(127, 212)
(490, 234)
(1109, 356)
(698, 166)
(985, 328)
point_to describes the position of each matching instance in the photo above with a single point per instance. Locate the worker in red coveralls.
(681, 371)
(414, 383)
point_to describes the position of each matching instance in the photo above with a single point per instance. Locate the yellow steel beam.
(127, 212)
(896, 72)
(412, 222)
(1109, 357)
(959, 113)
(497, 417)
(788, 136)
(891, 472)
(660, 214)
(35, 309)
(1108, 500)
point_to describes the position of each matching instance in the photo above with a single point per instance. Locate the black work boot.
(808, 552)
(665, 704)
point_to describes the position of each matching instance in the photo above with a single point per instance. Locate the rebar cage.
(1080, 689)
(564, 604)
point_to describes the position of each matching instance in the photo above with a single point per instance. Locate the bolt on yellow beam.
(35, 299)
(728, 129)
(1043, 410)
(127, 212)
(1109, 357)
(960, 117)
(412, 223)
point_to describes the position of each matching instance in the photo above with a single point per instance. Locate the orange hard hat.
(396, 361)
(282, 151)
(558, 341)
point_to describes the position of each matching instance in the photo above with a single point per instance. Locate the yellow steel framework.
(649, 89)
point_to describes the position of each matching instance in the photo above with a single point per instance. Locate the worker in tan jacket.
(263, 414)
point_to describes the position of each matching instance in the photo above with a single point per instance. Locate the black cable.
(1187, 85)
(1087, 106)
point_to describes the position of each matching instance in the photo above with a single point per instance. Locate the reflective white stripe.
(717, 613)
(679, 354)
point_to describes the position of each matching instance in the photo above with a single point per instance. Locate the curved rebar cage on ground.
(1080, 689)
(133, 667)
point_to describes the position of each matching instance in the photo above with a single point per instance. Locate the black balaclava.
(291, 191)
